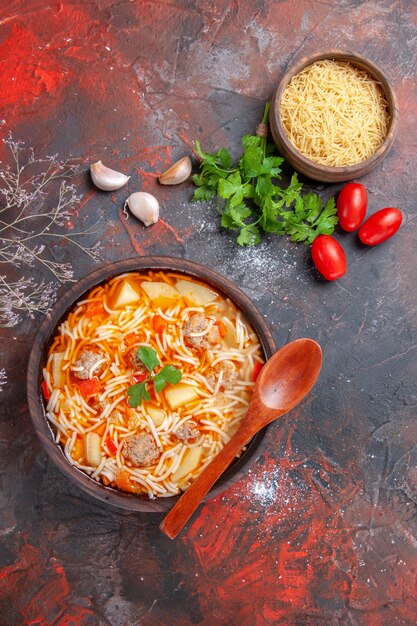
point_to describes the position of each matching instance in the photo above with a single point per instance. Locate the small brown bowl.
(40, 349)
(307, 166)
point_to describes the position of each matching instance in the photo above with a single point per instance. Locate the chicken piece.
(201, 332)
(140, 450)
(133, 361)
(186, 432)
(88, 357)
(229, 374)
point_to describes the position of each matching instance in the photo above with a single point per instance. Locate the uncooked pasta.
(334, 113)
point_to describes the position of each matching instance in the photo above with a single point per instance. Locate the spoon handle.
(189, 501)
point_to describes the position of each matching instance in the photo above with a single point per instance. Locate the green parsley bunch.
(251, 201)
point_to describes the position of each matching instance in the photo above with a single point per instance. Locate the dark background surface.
(322, 529)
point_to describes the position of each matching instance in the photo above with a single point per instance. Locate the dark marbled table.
(322, 529)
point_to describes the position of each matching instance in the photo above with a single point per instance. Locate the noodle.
(334, 113)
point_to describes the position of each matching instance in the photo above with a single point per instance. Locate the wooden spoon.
(285, 379)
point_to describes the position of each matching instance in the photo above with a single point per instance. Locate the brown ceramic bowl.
(47, 331)
(315, 170)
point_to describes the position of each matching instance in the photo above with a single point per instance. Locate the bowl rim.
(358, 169)
(47, 329)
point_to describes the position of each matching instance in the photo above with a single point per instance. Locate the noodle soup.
(147, 379)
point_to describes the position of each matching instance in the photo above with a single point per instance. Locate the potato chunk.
(161, 294)
(230, 336)
(194, 293)
(189, 463)
(92, 444)
(179, 395)
(156, 414)
(126, 294)
(58, 376)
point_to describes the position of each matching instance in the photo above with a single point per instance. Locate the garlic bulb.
(144, 206)
(107, 179)
(177, 173)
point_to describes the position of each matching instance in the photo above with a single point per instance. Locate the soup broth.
(147, 379)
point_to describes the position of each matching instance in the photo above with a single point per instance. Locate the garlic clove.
(144, 206)
(177, 173)
(107, 179)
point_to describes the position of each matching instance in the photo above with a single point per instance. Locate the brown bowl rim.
(308, 167)
(47, 329)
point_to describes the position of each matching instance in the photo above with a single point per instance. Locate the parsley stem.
(266, 113)
(265, 119)
(231, 171)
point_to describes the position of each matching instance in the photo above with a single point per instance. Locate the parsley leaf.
(148, 357)
(271, 208)
(249, 235)
(203, 194)
(264, 187)
(312, 207)
(328, 218)
(168, 374)
(271, 166)
(225, 158)
(137, 393)
(251, 162)
(273, 226)
(292, 192)
(309, 219)
(229, 186)
(233, 217)
(251, 141)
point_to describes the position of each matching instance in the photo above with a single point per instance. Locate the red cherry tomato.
(328, 257)
(380, 226)
(351, 206)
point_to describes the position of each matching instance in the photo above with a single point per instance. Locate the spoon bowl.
(285, 379)
(280, 392)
